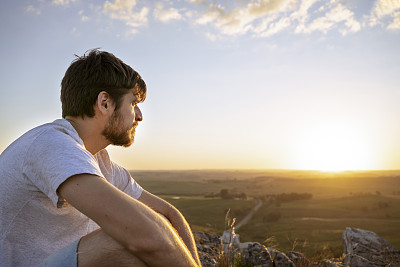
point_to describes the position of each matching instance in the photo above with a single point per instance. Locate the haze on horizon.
(259, 84)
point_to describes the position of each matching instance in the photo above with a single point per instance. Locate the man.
(58, 178)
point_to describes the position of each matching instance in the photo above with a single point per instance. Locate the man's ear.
(104, 104)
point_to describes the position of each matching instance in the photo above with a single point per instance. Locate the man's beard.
(114, 133)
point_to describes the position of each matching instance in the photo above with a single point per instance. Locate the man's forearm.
(177, 254)
(179, 223)
(175, 219)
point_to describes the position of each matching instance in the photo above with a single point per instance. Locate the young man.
(57, 179)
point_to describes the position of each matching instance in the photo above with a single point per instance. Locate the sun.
(332, 146)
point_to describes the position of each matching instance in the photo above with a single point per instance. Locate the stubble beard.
(114, 133)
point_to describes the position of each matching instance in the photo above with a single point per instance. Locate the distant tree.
(225, 194)
(228, 194)
(243, 196)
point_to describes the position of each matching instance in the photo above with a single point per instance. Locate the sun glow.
(333, 147)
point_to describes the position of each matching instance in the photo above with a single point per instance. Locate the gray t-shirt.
(34, 221)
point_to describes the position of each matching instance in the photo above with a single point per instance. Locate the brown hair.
(92, 73)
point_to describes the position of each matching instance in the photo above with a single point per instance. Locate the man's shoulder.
(44, 141)
(54, 133)
(58, 127)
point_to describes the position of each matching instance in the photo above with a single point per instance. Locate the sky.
(256, 84)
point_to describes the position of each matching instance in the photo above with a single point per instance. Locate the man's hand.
(134, 225)
(175, 218)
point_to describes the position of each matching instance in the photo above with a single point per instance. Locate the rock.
(361, 248)
(331, 263)
(280, 259)
(230, 239)
(256, 254)
(207, 260)
(298, 258)
(355, 260)
(208, 247)
(366, 246)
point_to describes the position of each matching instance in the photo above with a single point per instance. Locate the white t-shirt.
(34, 221)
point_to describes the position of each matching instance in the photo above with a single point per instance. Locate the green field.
(257, 183)
(206, 214)
(367, 200)
(316, 226)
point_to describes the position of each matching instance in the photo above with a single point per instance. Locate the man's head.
(93, 73)
(120, 128)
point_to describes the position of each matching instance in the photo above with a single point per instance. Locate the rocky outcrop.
(361, 248)
(298, 258)
(280, 258)
(367, 247)
(257, 255)
(208, 248)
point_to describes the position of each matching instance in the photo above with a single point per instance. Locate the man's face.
(120, 129)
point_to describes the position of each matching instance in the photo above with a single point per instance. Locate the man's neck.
(90, 131)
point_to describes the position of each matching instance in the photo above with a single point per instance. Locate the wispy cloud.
(265, 18)
(395, 25)
(211, 37)
(338, 16)
(257, 18)
(83, 17)
(126, 11)
(62, 2)
(240, 20)
(386, 8)
(166, 15)
(32, 9)
(276, 27)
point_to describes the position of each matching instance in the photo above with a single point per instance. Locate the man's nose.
(138, 114)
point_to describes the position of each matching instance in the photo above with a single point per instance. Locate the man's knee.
(99, 249)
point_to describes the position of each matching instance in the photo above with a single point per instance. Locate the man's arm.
(175, 217)
(131, 223)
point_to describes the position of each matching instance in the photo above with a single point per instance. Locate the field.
(206, 214)
(316, 226)
(367, 200)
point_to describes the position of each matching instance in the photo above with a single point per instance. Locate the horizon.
(271, 170)
(286, 84)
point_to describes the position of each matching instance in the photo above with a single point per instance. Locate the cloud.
(83, 17)
(265, 7)
(62, 2)
(301, 15)
(336, 15)
(264, 18)
(211, 37)
(124, 10)
(395, 25)
(257, 18)
(32, 9)
(276, 27)
(166, 15)
(240, 20)
(386, 8)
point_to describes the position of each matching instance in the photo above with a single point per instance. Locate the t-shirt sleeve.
(125, 182)
(52, 158)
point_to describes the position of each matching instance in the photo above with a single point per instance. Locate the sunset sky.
(257, 84)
